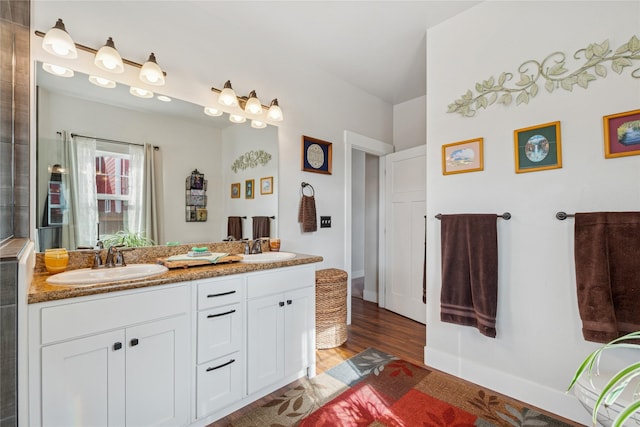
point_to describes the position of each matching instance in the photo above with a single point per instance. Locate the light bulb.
(59, 43)
(140, 93)
(257, 124)
(151, 73)
(213, 112)
(253, 105)
(57, 70)
(236, 118)
(275, 113)
(108, 58)
(228, 96)
(102, 82)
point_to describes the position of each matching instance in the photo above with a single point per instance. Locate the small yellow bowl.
(56, 260)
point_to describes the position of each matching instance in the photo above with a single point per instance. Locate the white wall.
(539, 341)
(409, 124)
(314, 103)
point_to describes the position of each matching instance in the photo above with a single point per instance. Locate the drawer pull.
(289, 302)
(221, 294)
(221, 366)
(281, 303)
(117, 346)
(220, 314)
(134, 342)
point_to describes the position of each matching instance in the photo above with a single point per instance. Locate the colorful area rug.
(376, 389)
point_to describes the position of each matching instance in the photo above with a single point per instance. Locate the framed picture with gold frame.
(266, 185)
(235, 190)
(622, 134)
(538, 147)
(249, 191)
(316, 155)
(463, 156)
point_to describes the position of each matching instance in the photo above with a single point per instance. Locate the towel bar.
(505, 216)
(305, 185)
(563, 215)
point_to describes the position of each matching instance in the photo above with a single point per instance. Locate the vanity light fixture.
(151, 73)
(227, 95)
(213, 112)
(140, 93)
(108, 58)
(102, 82)
(253, 105)
(57, 70)
(236, 118)
(163, 98)
(59, 43)
(275, 113)
(257, 124)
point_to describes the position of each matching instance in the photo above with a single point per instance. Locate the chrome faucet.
(256, 247)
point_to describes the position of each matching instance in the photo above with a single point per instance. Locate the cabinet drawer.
(218, 384)
(81, 318)
(219, 332)
(280, 280)
(219, 292)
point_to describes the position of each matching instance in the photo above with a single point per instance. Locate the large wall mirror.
(73, 114)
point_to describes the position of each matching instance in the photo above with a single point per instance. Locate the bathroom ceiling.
(378, 46)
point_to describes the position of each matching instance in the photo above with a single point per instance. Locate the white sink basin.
(268, 257)
(89, 276)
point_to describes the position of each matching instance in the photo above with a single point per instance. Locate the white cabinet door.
(219, 332)
(265, 341)
(157, 373)
(297, 327)
(83, 381)
(218, 384)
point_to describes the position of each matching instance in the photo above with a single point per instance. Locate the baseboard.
(554, 401)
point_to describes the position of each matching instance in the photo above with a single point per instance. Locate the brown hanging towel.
(607, 264)
(234, 227)
(469, 294)
(307, 214)
(261, 227)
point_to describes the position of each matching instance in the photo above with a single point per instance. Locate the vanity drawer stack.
(219, 360)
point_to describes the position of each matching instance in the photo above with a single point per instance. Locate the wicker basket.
(331, 308)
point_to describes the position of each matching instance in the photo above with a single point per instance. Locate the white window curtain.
(81, 229)
(142, 213)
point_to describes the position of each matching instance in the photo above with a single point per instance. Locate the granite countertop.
(41, 291)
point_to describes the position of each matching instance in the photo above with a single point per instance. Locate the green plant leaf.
(584, 78)
(601, 70)
(482, 102)
(622, 49)
(627, 413)
(549, 86)
(522, 97)
(524, 80)
(479, 88)
(623, 376)
(534, 90)
(502, 79)
(492, 98)
(618, 64)
(634, 44)
(557, 69)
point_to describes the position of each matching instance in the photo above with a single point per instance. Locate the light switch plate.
(325, 222)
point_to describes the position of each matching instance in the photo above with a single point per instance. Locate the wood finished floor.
(371, 326)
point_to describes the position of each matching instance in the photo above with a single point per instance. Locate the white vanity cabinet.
(219, 360)
(111, 360)
(280, 326)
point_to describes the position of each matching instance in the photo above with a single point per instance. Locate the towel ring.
(303, 186)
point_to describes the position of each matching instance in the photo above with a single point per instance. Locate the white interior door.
(405, 208)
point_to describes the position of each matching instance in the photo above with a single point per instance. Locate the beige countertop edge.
(41, 291)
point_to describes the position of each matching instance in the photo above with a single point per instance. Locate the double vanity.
(183, 347)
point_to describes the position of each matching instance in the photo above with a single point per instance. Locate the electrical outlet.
(325, 222)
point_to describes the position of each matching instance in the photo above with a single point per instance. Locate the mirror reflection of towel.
(261, 227)
(307, 214)
(234, 227)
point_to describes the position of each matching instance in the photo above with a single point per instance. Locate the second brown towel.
(261, 227)
(469, 294)
(607, 265)
(234, 227)
(307, 214)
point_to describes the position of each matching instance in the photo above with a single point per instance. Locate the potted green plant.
(618, 383)
(127, 238)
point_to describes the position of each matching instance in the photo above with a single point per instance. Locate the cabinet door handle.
(221, 294)
(220, 314)
(281, 303)
(289, 302)
(213, 368)
(117, 346)
(134, 342)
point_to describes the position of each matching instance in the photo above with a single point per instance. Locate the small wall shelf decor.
(552, 74)
(196, 197)
(316, 155)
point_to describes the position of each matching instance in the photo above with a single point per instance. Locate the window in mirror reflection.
(112, 191)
